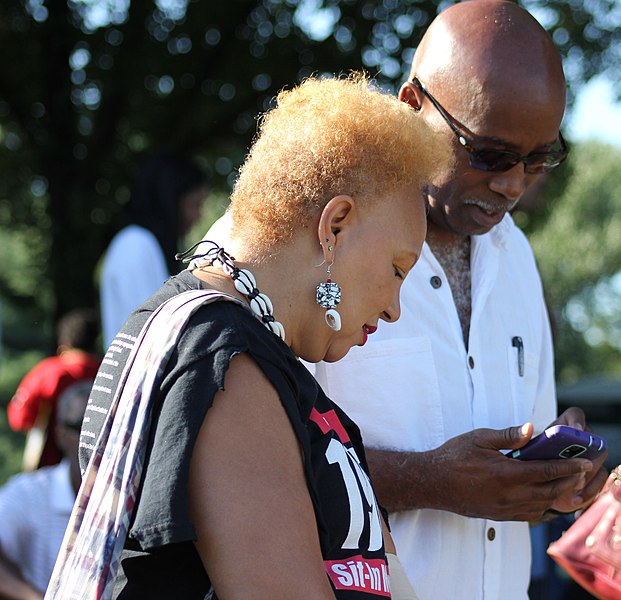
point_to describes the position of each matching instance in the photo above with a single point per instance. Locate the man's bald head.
(481, 45)
(490, 77)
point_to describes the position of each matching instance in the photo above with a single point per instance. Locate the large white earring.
(328, 296)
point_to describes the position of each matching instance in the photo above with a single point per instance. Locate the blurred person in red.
(33, 407)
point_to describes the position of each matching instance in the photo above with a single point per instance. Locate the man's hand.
(594, 480)
(468, 475)
(12, 585)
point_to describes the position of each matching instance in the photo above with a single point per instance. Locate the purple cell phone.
(561, 441)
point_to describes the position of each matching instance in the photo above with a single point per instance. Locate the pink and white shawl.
(90, 554)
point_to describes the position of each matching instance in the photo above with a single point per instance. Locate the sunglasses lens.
(74, 427)
(544, 163)
(539, 167)
(493, 161)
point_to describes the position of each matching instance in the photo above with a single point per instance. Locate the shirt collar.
(499, 233)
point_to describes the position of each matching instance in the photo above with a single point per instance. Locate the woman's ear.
(338, 214)
(411, 95)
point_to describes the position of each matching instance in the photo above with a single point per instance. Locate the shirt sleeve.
(24, 407)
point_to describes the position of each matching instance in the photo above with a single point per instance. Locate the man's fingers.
(504, 439)
(572, 417)
(594, 485)
(550, 470)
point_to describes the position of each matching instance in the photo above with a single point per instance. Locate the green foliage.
(88, 88)
(578, 248)
(22, 250)
(13, 366)
(11, 450)
(218, 201)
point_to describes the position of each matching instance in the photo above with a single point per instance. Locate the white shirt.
(34, 513)
(413, 386)
(134, 268)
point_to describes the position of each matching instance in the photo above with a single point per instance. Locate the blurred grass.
(213, 209)
(13, 366)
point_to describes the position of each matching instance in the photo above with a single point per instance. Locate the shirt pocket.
(390, 389)
(523, 384)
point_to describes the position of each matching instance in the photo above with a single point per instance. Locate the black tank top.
(159, 559)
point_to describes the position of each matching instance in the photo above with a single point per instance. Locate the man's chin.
(487, 219)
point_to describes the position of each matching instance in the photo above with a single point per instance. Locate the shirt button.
(436, 282)
(471, 362)
(491, 534)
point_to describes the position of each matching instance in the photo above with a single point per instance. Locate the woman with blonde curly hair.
(215, 466)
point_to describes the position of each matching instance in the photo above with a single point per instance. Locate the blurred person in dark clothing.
(166, 200)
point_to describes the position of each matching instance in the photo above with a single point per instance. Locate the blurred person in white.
(166, 200)
(35, 507)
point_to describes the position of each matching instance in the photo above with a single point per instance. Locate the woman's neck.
(287, 278)
(263, 282)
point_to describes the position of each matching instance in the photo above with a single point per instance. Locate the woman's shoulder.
(223, 322)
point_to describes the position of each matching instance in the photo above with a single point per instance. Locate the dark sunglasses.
(76, 427)
(494, 160)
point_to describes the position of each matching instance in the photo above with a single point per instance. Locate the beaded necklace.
(244, 281)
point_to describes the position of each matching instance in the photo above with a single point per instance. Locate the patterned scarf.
(90, 554)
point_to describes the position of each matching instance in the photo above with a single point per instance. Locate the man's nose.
(511, 184)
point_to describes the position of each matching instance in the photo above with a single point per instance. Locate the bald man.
(468, 368)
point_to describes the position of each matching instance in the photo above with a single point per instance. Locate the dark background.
(87, 88)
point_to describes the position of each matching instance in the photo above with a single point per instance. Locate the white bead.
(277, 328)
(263, 304)
(249, 276)
(243, 283)
(240, 286)
(260, 305)
(333, 319)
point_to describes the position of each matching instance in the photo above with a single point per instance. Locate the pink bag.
(590, 550)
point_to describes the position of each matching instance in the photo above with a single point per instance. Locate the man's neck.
(453, 254)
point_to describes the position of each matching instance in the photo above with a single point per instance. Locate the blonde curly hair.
(324, 138)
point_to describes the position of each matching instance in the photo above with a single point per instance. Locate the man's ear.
(411, 95)
(337, 214)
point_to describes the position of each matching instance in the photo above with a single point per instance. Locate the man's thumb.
(510, 438)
